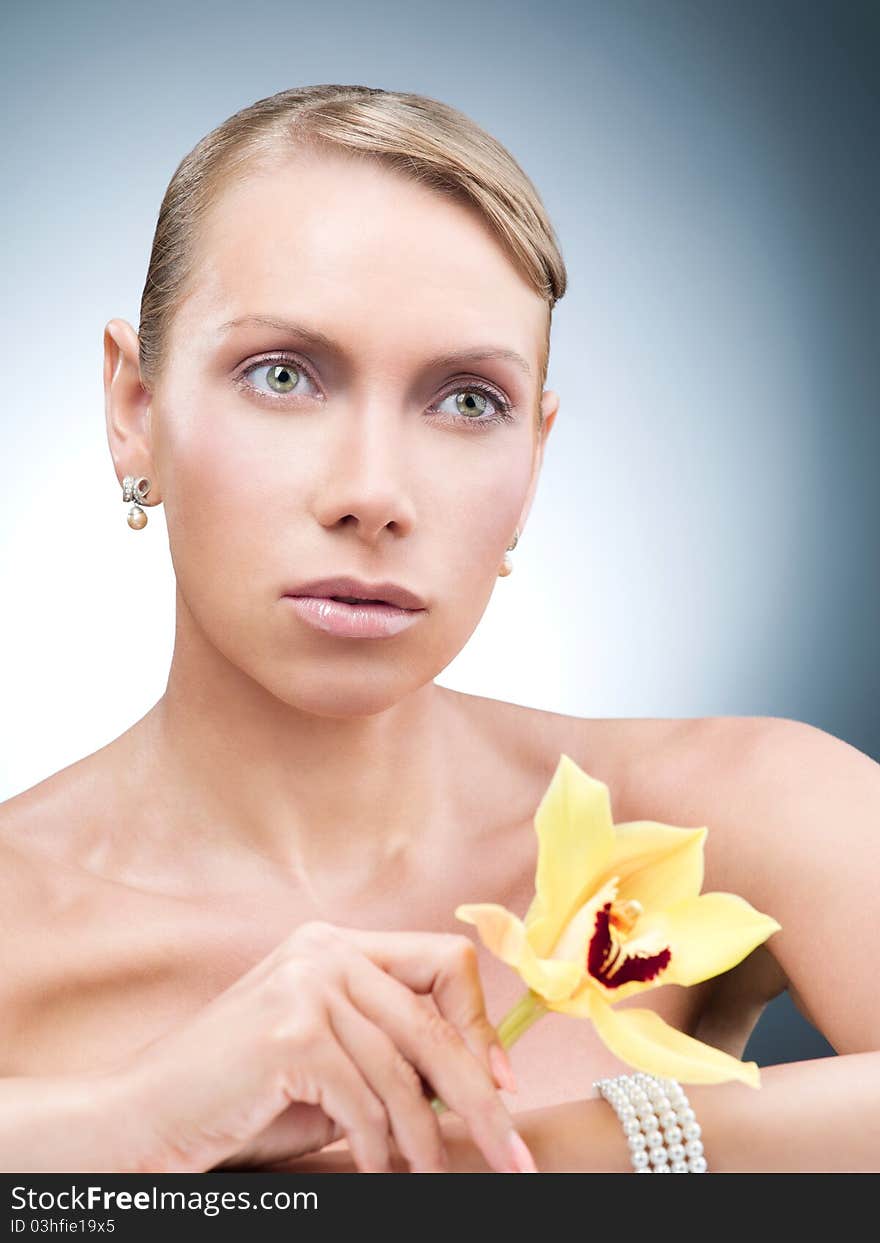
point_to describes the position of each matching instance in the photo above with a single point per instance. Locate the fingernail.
(522, 1158)
(501, 1068)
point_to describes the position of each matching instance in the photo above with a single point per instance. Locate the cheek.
(481, 510)
(468, 520)
(222, 502)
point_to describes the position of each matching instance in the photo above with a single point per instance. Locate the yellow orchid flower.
(618, 911)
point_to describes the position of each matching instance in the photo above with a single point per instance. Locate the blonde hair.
(429, 141)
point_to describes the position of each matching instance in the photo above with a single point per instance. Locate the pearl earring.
(507, 564)
(135, 490)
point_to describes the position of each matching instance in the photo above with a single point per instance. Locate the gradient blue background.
(703, 541)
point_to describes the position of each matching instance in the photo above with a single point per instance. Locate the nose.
(368, 479)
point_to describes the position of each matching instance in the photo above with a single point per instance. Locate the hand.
(462, 1155)
(337, 1032)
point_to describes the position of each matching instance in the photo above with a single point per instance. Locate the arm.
(798, 814)
(818, 1116)
(69, 1124)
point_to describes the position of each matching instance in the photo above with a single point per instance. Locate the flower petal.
(708, 934)
(658, 864)
(643, 1040)
(575, 839)
(574, 941)
(505, 935)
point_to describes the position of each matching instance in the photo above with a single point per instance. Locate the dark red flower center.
(608, 962)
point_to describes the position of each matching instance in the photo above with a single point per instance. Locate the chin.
(340, 697)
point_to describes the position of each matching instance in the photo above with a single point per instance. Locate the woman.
(232, 931)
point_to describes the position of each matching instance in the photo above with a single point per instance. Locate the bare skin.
(288, 775)
(108, 960)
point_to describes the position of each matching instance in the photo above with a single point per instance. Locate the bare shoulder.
(21, 886)
(658, 768)
(808, 804)
(532, 739)
(44, 887)
(32, 896)
(758, 783)
(29, 824)
(689, 772)
(739, 776)
(793, 814)
(57, 820)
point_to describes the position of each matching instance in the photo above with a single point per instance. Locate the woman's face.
(282, 457)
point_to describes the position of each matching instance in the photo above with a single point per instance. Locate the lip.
(392, 608)
(354, 621)
(343, 585)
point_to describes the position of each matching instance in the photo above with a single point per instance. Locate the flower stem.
(515, 1023)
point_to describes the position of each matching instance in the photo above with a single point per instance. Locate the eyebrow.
(321, 341)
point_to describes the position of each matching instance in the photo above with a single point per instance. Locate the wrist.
(576, 1137)
(122, 1121)
(81, 1123)
(464, 1155)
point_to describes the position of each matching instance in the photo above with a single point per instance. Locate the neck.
(223, 760)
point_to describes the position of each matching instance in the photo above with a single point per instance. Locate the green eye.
(276, 377)
(476, 405)
(470, 403)
(282, 378)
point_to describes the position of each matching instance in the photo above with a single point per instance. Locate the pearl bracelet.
(661, 1128)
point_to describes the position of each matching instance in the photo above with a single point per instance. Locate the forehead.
(351, 244)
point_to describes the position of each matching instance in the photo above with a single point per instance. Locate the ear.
(127, 407)
(549, 409)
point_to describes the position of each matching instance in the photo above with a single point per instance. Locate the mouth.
(357, 600)
(354, 617)
(352, 591)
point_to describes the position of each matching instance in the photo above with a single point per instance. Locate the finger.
(458, 993)
(434, 1046)
(328, 1077)
(396, 1082)
(445, 965)
(297, 1131)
